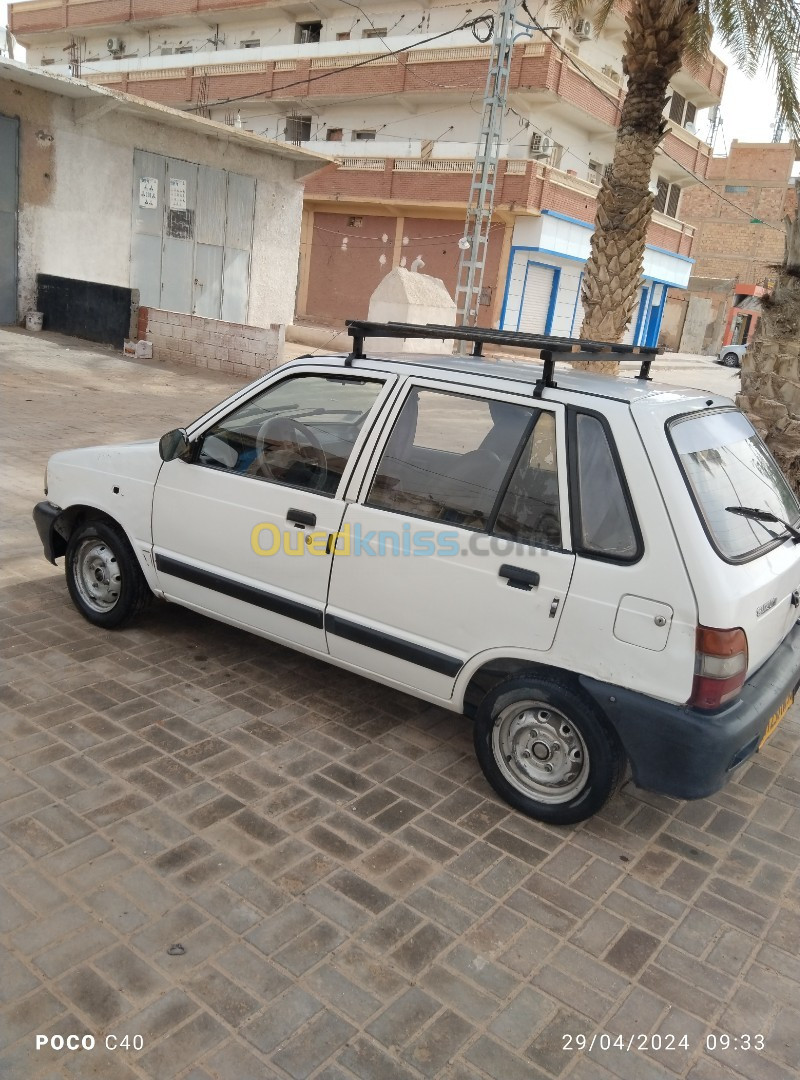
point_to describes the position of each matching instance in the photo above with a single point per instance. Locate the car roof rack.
(550, 348)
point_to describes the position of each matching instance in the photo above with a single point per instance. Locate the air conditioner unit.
(541, 146)
(115, 45)
(582, 29)
(691, 128)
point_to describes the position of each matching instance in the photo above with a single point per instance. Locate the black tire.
(528, 723)
(730, 359)
(104, 579)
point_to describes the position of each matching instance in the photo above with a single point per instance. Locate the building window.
(596, 171)
(334, 135)
(736, 189)
(46, 60)
(184, 49)
(298, 129)
(375, 32)
(363, 136)
(250, 43)
(667, 197)
(307, 33)
(676, 106)
(166, 50)
(344, 36)
(681, 111)
(673, 199)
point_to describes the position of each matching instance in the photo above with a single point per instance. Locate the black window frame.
(530, 428)
(573, 412)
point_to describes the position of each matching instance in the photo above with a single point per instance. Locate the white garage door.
(536, 299)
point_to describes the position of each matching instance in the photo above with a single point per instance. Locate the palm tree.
(662, 35)
(771, 369)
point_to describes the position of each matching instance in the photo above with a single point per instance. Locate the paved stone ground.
(350, 898)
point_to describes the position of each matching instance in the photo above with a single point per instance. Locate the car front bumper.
(45, 515)
(689, 754)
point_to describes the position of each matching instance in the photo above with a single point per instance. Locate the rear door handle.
(519, 578)
(301, 518)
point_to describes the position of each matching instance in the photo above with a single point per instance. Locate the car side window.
(530, 511)
(299, 432)
(448, 456)
(604, 525)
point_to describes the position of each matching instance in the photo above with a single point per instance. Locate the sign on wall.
(177, 193)
(148, 192)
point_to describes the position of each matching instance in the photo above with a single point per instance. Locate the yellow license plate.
(776, 718)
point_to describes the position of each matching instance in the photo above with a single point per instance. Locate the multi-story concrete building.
(393, 90)
(738, 220)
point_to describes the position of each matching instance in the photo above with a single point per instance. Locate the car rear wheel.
(545, 750)
(103, 577)
(730, 359)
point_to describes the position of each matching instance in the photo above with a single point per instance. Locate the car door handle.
(301, 518)
(519, 578)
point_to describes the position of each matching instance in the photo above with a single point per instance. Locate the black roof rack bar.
(551, 348)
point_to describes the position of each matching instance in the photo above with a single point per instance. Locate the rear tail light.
(720, 666)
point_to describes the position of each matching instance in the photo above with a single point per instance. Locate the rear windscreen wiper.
(764, 516)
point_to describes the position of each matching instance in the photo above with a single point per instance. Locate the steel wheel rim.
(98, 577)
(540, 752)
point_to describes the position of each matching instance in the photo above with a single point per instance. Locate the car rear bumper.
(45, 515)
(687, 753)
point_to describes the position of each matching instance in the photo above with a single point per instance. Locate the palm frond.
(764, 32)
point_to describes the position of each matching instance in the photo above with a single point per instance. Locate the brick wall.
(249, 351)
(726, 244)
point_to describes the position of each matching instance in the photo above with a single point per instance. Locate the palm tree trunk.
(771, 368)
(653, 45)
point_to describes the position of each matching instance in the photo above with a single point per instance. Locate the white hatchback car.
(596, 570)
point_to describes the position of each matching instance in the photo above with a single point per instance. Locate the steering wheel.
(283, 443)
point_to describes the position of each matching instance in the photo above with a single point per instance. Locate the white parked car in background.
(598, 571)
(731, 355)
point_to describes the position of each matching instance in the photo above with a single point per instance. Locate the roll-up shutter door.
(536, 299)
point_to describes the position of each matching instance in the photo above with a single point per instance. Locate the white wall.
(83, 230)
(76, 180)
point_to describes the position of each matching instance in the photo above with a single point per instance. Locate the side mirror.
(173, 445)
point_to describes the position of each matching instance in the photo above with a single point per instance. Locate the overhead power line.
(351, 67)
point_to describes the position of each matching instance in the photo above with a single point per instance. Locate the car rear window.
(726, 464)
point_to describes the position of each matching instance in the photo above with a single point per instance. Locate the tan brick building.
(738, 240)
(393, 91)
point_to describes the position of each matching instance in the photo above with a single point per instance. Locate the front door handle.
(519, 578)
(301, 518)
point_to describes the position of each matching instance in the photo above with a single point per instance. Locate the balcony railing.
(45, 16)
(526, 186)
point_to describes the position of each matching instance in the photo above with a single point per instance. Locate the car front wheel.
(103, 577)
(730, 359)
(546, 751)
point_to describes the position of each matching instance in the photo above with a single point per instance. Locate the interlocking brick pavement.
(351, 900)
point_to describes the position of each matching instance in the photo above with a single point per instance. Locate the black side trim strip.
(262, 598)
(443, 663)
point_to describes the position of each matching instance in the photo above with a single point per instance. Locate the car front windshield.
(726, 464)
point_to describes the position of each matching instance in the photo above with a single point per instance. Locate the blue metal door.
(9, 173)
